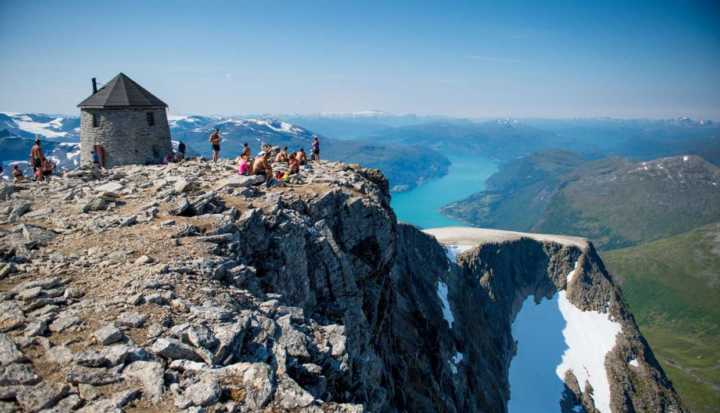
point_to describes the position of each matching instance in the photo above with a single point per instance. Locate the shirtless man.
(261, 166)
(282, 156)
(36, 155)
(215, 142)
(294, 165)
(301, 157)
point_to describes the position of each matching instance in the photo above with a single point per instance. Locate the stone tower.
(127, 121)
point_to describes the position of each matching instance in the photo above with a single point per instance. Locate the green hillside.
(613, 201)
(673, 288)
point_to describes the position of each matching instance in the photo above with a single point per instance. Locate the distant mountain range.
(30, 125)
(405, 165)
(411, 149)
(613, 201)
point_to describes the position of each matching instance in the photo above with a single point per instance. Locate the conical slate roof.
(121, 91)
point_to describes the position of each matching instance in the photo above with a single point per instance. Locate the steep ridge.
(500, 269)
(166, 288)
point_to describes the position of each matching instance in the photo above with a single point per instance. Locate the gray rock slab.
(174, 349)
(150, 374)
(108, 334)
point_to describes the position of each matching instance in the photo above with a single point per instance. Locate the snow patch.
(589, 335)
(26, 124)
(453, 251)
(442, 293)
(571, 274)
(454, 361)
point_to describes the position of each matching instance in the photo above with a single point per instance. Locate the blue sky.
(470, 59)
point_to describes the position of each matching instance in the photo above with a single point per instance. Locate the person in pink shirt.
(243, 166)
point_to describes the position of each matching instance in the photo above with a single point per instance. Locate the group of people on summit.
(42, 167)
(286, 163)
(273, 163)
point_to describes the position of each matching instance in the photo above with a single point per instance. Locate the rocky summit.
(186, 287)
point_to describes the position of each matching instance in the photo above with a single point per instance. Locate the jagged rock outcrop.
(192, 291)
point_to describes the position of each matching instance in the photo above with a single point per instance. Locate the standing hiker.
(215, 142)
(315, 149)
(181, 151)
(36, 156)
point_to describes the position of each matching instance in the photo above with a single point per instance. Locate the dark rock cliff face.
(345, 260)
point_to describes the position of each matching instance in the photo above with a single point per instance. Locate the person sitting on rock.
(301, 157)
(261, 166)
(282, 156)
(246, 152)
(17, 173)
(47, 169)
(293, 165)
(243, 165)
(38, 173)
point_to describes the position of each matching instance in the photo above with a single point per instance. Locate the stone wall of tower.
(126, 135)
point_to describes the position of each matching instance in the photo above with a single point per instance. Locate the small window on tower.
(150, 118)
(95, 120)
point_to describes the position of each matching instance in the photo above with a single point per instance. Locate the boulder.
(40, 396)
(37, 235)
(95, 204)
(256, 381)
(9, 352)
(173, 349)
(131, 320)
(112, 187)
(238, 181)
(108, 335)
(63, 322)
(13, 374)
(205, 392)
(150, 374)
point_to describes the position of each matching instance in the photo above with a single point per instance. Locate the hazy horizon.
(476, 60)
(383, 114)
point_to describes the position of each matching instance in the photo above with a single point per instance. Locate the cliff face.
(182, 287)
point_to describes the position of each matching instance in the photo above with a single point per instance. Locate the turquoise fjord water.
(534, 386)
(421, 206)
